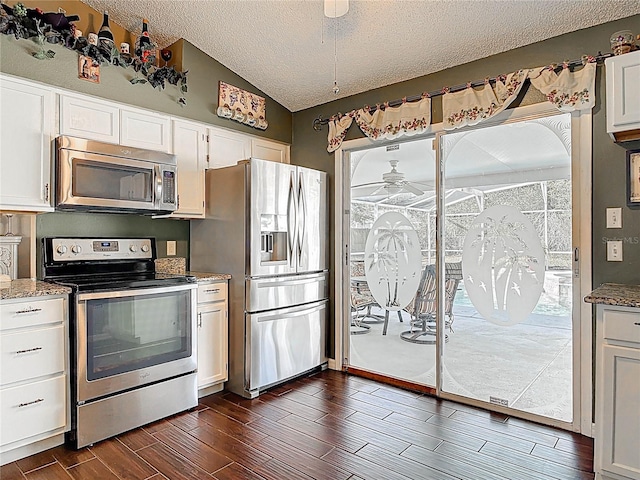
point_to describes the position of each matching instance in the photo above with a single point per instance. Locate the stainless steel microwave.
(94, 176)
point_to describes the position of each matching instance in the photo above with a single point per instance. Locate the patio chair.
(361, 295)
(423, 307)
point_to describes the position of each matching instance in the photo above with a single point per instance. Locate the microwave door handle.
(157, 178)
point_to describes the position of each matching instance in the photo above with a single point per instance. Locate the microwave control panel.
(65, 249)
(168, 187)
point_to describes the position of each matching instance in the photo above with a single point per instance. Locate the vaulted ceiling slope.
(287, 48)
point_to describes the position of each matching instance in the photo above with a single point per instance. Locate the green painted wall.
(609, 170)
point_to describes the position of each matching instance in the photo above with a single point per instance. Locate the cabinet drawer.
(28, 314)
(31, 354)
(212, 292)
(623, 326)
(32, 409)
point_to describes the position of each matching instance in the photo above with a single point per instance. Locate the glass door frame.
(582, 331)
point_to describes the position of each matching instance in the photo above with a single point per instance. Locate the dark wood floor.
(328, 426)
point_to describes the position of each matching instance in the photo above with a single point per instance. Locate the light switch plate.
(614, 251)
(171, 247)
(614, 217)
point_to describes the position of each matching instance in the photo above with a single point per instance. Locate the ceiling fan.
(393, 182)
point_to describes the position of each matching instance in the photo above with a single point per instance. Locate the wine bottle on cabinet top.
(144, 47)
(105, 36)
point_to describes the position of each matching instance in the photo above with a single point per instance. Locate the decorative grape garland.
(57, 28)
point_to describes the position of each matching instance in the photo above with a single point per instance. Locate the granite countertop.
(209, 277)
(25, 287)
(177, 266)
(615, 294)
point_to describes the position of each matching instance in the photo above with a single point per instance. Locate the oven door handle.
(135, 292)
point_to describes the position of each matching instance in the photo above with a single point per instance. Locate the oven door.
(130, 338)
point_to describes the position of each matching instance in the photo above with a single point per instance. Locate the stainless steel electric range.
(133, 334)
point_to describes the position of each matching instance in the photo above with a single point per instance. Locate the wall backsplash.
(112, 225)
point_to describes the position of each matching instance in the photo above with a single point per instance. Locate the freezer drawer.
(284, 343)
(285, 291)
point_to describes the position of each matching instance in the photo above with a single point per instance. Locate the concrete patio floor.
(529, 364)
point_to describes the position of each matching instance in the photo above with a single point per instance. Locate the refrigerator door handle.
(291, 220)
(302, 217)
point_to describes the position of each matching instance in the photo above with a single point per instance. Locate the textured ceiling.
(286, 48)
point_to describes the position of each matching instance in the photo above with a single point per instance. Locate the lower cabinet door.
(32, 409)
(620, 418)
(212, 343)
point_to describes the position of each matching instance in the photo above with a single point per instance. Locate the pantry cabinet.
(27, 121)
(190, 148)
(34, 382)
(212, 334)
(623, 96)
(617, 440)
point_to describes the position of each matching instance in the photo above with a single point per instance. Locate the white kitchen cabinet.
(227, 148)
(26, 129)
(212, 334)
(34, 381)
(623, 96)
(144, 129)
(617, 440)
(190, 148)
(269, 150)
(89, 118)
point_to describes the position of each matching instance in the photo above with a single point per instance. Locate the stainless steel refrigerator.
(266, 225)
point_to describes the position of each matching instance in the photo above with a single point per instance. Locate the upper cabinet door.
(268, 150)
(142, 129)
(190, 145)
(227, 148)
(26, 125)
(90, 119)
(623, 96)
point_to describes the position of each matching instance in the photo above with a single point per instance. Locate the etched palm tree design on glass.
(392, 261)
(503, 265)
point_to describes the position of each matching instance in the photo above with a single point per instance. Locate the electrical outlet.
(614, 217)
(171, 247)
(614, 251)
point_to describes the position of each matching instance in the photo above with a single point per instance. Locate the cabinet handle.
(637, 324)
(46, 192)
(213, 290)
(31, 402)
(35, 349)
(200, 319)
(178, 205)
(28, 310)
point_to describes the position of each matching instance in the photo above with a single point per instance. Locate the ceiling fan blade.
(365, 191)
(410, 188)
(367, 184)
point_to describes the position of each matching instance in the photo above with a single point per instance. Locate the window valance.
(568, 91)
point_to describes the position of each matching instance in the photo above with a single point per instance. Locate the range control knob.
(133, 248)
(144, 248)
(62, 249)
(76, 249)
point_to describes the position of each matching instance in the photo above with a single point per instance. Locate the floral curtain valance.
(568, 91)
(471, 106)
(386, 122)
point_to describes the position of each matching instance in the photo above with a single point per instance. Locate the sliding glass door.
(495, 323)
(508, 225)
